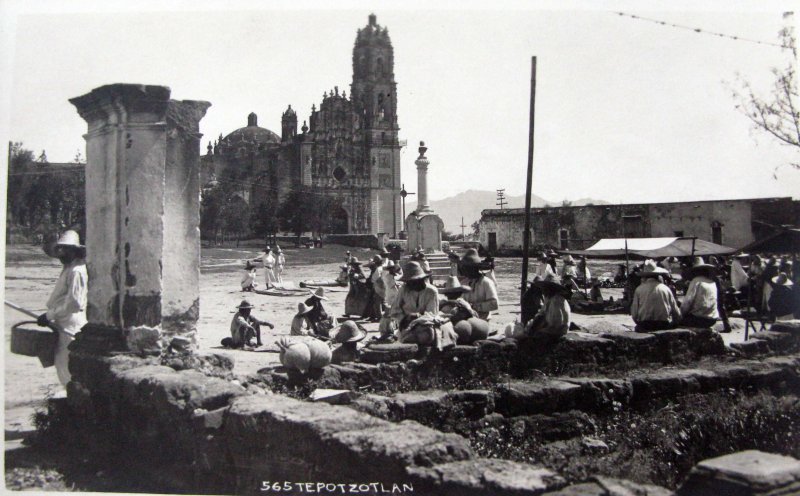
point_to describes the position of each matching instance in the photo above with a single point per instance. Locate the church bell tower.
(374, 97)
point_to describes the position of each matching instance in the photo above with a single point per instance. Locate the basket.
(33, 342)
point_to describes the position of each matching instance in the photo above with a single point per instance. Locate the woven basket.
(33, 342)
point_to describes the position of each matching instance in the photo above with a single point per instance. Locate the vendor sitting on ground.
(553, 319)
(483, 296)
(417, 297)
(595, 294)
(699, 306)
(544, 269)
(349, 335)
(532, 301)
(300, 325)
(249, 277)
(654, 307)
(454, 305)
(569, 273)
(318, 319)
(782, 298)
(244, 327)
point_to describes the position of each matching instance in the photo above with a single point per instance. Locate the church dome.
(251, 134)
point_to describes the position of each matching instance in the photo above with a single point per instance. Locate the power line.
(701, 31)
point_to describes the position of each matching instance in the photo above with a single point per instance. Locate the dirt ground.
(30, 275)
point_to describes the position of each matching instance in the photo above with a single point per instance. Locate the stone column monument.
(424, 226)
(142, 217)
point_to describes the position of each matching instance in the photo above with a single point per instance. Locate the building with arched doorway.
(346, 153)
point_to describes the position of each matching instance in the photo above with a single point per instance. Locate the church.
(347, 150)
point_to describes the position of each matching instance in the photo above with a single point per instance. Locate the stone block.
(779, 342)
(394, 352)
(485, 476)
(488, 347)
(180, 393)
(787, 326)
(605, 327)
(751, 348)
(473, 403)
(284, 437)
(601, 392)
(459, 351)
(582, 489)
(707, 342)
(623, 487)
(423, 406)
(668, 383)
(386, 453)
(744, 473)
(675, 344)
(203, 419)
(333, 396)
(525, 398)
(373, 404)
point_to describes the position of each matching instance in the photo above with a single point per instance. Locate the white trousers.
(62, 356)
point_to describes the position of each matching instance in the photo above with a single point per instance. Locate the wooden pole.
(526, 241)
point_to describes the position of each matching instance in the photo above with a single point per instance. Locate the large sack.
(464, 331)
(320, 353)
(480, 328)
(295, 355)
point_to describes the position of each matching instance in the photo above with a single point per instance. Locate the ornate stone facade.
(348, 149)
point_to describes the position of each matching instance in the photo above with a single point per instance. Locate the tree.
(295, 213)
(235, 216)
(265, 218)
(566, 203)
(777, 114)
(447, 235)
(476, 229)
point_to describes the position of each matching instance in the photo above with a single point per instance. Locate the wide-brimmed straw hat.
(245, 304)
(782, 280)
(319, 293)
(413, 271)
(349, 332)
(471, 258)
(354, 261)
(651, 269)
(69, 239)
(699, 266)
(453, 286)
(550, 282)
(302, 308)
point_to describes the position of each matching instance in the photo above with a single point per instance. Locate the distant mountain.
(469, 204)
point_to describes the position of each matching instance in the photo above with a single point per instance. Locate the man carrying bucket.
(66, 308)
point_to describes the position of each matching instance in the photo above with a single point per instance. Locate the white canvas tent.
(652, 248)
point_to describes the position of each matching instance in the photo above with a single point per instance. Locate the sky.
(626, 110)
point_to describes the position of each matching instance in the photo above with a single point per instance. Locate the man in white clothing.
(66, 308)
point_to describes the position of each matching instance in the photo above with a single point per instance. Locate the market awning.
(785, 241)
(652, 248)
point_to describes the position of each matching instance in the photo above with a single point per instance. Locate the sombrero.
(302, 308)
(245, 304)
(782, 280)
(651, 269)
(68, 239)
(471, 258)
(349, 332)
(699, 266)
(413, 271)
(319, 293)
(453, 286)
(550, 283)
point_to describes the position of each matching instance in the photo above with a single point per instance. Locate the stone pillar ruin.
(142, 217)
(424, 227)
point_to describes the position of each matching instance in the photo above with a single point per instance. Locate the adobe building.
(733, 223)
(348, 149)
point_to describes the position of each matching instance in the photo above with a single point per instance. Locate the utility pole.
(463, 236)
(403, 194)
(501, 198)
(526, 236)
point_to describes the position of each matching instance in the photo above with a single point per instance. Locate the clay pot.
(464, 331)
